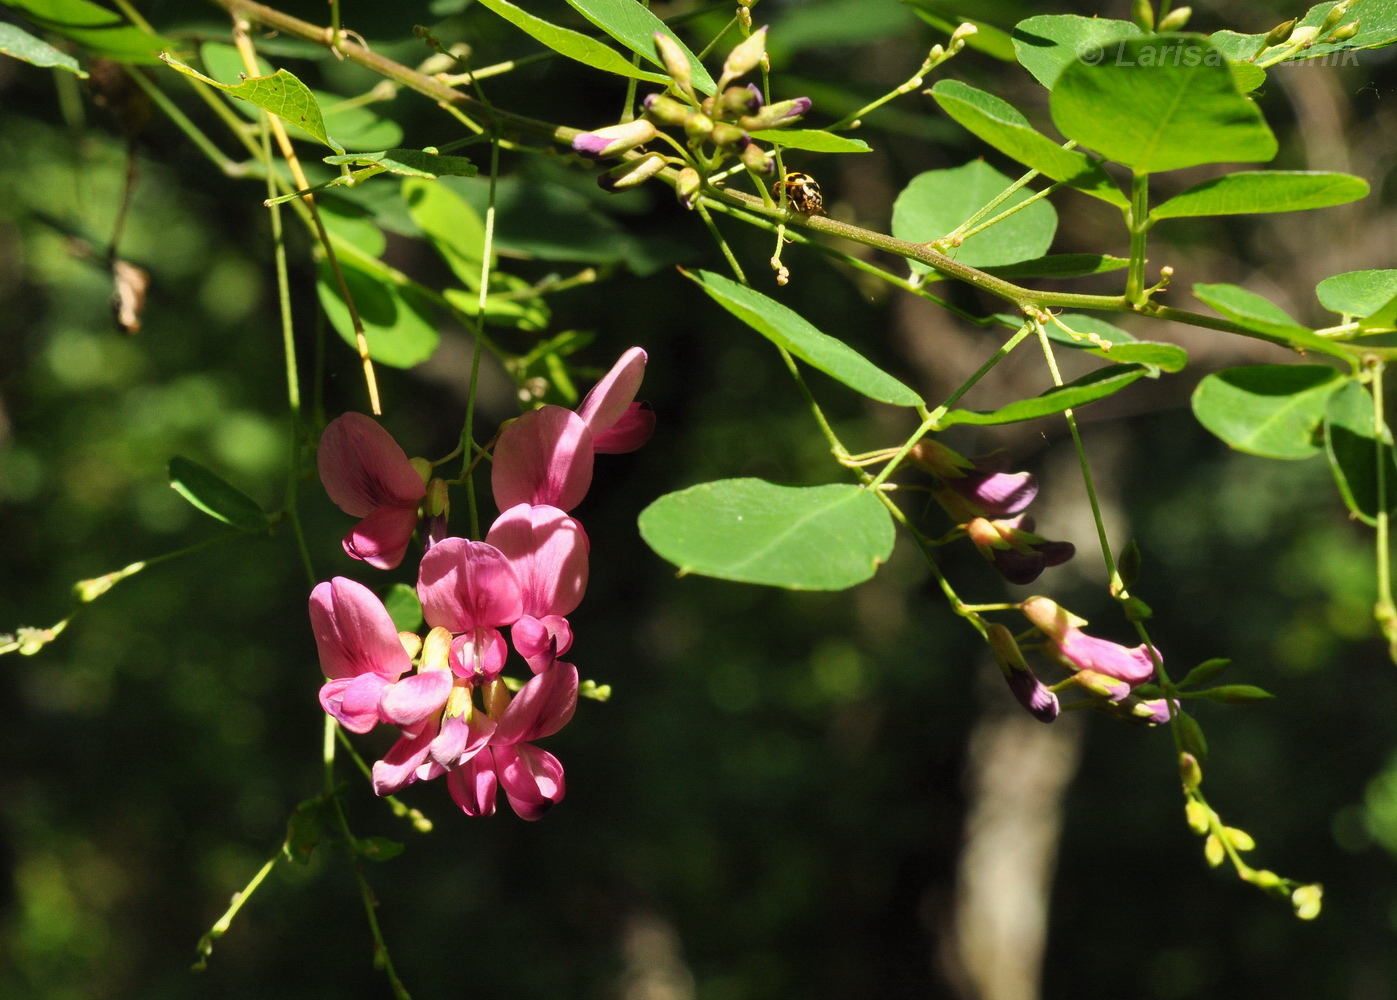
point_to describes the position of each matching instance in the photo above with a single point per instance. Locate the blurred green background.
(775, 802)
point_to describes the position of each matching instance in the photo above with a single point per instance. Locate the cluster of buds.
(1331, 30)
(528, 574)
(987, 502)
(715, 128)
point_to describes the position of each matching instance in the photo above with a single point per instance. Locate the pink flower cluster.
(528, 574)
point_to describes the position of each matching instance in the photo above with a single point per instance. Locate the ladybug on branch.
(802, 193)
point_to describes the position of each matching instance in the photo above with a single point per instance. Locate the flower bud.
(1344, 33)
(496, 698)
(776, 115)
(436, 650)
(90, 590)
(1175, 19)
(1334, 18)
(697, 126)
(959, 36)
(1304, 36)
(675, 60)
(1213, 850)
(614, 139)
(1306, 900)
(422, 467)
(687, 186)
(663, 110)
(738, 101)
(632, 173)
(1039, 702)
(1241, 840)
(932, 456)
(745, 57)
(1280, 33)
(412, 643)
(1142, 13)
(729, 137)
(1189, 771)
(1199, 816)
(1265, 879)
(755, 159)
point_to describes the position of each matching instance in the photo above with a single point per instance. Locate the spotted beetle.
(802, 193)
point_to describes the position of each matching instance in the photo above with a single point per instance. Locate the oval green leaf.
(1097, 385)
(749, 530)
(404, 607)
(790, 330)
(634, 26)
(281, 94)
(1234, 694)
(812, 139)
(1267, 410)
(572, 44)
(1002, 126)
(1358, 293)
(1377, 27)
(1191, 734)
(215, 496)
(1204, 672)
(1123, 348)
(20, 44)
(937, 201)
(1252, 192)
(1143, 107)
(1264, 317)
(1046, 45)
(1352, 450)
(452, 225)
(398, 323)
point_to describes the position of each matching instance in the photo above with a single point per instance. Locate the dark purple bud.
(1040, 703)
(757, 97)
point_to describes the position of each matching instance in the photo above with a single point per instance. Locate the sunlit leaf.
(812, 139)
(280, 94)
(572, 44)
(1097, 385)
(1256, 191)
(634, 27)
(1377, 27)
(1358, 293)
(1046, 45)
(1268, 410)
(1123, 348)
(398, 322)
(215, 496)
(1060, 265)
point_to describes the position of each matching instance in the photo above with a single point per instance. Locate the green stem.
(1385, 612)
(467, 432)
(722, 243)
(1019, 207)
(1139, 227)
(403, 811)
(988, 207)
(928, 64)
(182, 121)
(205, 946)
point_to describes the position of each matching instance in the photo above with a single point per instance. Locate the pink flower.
(548, 553)
(360, 652)
(975, 487)
(544, 458)
(470, 589)
(368, 476)
(1119, 668)
(1011, 548)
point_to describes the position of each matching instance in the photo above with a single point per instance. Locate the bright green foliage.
(20, 44)
(96, 29)
(812, 139)
(752, 531)
(403, 607)
(409, 163)
(1357, 293)
(1060, 265)
(1125, 348)
(1087, 389)
(1138, 107)
(280, 94)
(1001, 125)
(1254, 191)
(791, 331)
(452, 224)
(1048, 44)
(1377, 26)
(1264, 317)
(572, 44)
(215, 496)
(634, 27)
(1352, 450)
(398, 323)
(935, 202)
(1269, 410)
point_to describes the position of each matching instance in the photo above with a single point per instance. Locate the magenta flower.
(470, 589)
(978, 487)
(1120, 668)
(545, 457)
(368, 476)
(360, 652)
(614, 139)
(548, 553)
(1019, 555)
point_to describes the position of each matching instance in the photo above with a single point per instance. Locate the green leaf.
(1252, 192)
(1377, 27)
(842, 23)
(634, 27)
(409, 162)
(572, 44)
(377, 848)
(224, 63)
(749, 530)
(452, 224)
(1124, 347)
(1089, 388)
(21, 45)
(1191, 734)
(1151, 112)
(1234, 694)
(305, 830)
(937, 201)
(812, 139)
(1352, 450)
(215, 496)
(280, 94)
(1046, 45)
(789, 330)
(403, 607)
(1249, 76)
(521, 314)
(95, 28)
(398, 322)
(1264, 317)
(351, 224)
(1204, 672)
(1357, 293)
(1267, 410)
(947, 17)
(1002, 126)
(1060, 265)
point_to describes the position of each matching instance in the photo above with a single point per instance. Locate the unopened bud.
(697, 126)
(1306, 901)
(1189, 771)
(436, 650)
(745, 57)
(664, 110)
(737, 101)
(614, 139)
(776, 115)
(496, 698)
(1241, 840)
(438, 501)
(1304, 36)
(1175, 19)
(1334, 18)
(1199, 817)
(90, 590)
(959, 36)
(1344, 32)
(412, 643)
(1265, 879)
(422, 467)
(1142, 13)
(686, 188)
(729, 137)
(1213, 850)
(675, 60)
(755, 159)
(631, 174)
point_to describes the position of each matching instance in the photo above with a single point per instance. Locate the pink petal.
(412, 699)
(1133, 666)
(354, 633)
(382, 538)
(541, 708)
(544, 457)
(398, 766)
(465, 585)
(548, 551)
(532, 779)
(353, 701)
(459, 740)
(611, 397)
(363, 468)
(479, 655)
(473, 785)
(540, 641)
(627, 434)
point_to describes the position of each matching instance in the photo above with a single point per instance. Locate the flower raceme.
(1103, 666)
(1017, 553)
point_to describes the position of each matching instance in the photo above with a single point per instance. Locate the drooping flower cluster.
(528, 574)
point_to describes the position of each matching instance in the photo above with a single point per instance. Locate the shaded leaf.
(1204, 672)
(1046, 45)
(947, 17)
(398, 322)
(20, 44)
(1096, 385)
(1352, 449)
(572, 44)
(1267, 410)
(403, 607)
(1124, 347)
(812, 139)
(1191, 734)
(1234, 694)
(305, 830)
(377, 848)
(409, 162)
(1060, 265)
(1256, 191)
(96, 29)
(215, 496)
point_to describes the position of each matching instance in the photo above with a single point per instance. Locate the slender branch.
(205, 946)
(1139, 226)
